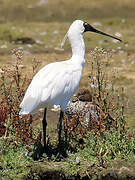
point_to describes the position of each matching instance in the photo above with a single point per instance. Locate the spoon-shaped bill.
(88, 27)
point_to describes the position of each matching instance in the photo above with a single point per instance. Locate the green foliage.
(14, 159)
(9, 33)
(12, 89)
(111, 145)
(101, 141)
(100, 152)
(16, 136)
(87, 146)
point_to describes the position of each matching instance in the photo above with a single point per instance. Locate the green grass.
(14, 160)
(113, 150)
(23, 21)
(54, 33)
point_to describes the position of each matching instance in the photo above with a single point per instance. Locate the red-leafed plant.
(12, 89)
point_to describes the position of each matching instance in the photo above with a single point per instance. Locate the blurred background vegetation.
(64, 11)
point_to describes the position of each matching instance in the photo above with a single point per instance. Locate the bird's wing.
(61, 84)
(32, 98)
(53, 84)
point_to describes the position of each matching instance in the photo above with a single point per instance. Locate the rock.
(82, 104)
(43, 33)
(42, 2)
(118, 34)
(120, 171)
(56, 32)
(24, 40)
(96, 23)
(58, 49)
(86, 109)
(115, 41)
(4, 46)
(38, 41)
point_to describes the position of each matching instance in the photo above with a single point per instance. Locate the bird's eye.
(85, 24)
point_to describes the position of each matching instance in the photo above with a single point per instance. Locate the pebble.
(43, 33)
(96, 23)
(4, 46)
(118, 34)
(56, 32)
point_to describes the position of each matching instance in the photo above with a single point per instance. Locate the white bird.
(55, 83)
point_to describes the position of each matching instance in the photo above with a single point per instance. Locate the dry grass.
(122, 64)
(30, 11)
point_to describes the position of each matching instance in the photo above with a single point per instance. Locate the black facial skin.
(88, 27)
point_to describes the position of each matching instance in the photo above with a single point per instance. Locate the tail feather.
(22, 112)
(29, 105)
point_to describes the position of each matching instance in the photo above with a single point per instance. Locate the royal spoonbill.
(55, 83)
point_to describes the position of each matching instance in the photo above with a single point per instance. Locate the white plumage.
(55, 83)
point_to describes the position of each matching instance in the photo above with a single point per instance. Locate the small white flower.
(77, 160)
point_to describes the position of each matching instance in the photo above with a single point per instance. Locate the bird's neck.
(78, 47)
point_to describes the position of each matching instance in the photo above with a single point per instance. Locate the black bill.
(88, 27)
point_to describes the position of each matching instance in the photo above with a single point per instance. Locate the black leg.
(60, 126)
(44, 124)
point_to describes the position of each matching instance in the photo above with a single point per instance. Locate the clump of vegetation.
(12, 90)
(16, 134)
(89, 147)
(110, 101)
(100, 141)
(9, 34)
